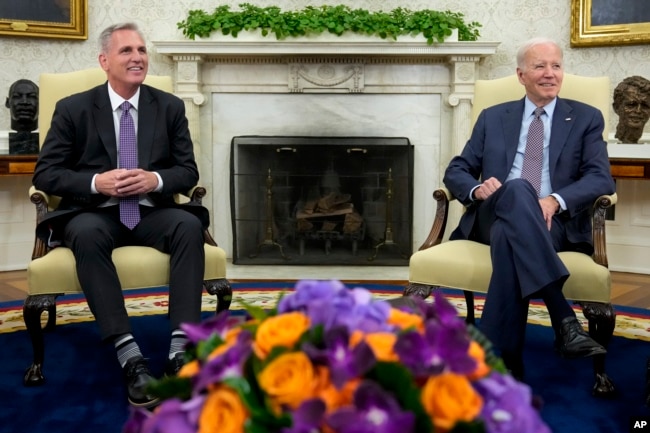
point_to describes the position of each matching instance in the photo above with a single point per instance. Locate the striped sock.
(178, 342)
(126, 348)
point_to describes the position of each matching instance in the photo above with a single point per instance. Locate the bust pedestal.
(23, 143)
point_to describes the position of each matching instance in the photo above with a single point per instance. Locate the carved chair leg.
(419, 290)
(222, 289)
(602, 320)
(33, 308)
(469, 301)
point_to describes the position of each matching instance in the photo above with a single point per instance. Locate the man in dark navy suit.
(81, 161)
(527, 220)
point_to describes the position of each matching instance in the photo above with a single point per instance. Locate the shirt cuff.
(560, 201)
(160, 182)
(471, 192)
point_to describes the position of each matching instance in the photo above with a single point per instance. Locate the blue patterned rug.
(84, 391)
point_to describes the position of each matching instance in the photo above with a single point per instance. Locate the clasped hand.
(549, 204)
(122, 183)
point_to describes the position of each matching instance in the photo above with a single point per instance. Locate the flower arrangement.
(331, 359)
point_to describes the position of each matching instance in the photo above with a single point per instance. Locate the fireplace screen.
(321, 200)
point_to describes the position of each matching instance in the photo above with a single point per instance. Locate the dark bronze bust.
(632, 104)
(22, 102)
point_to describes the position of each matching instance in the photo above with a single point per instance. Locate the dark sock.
(178, 342)
(556, 304)
(126, 348)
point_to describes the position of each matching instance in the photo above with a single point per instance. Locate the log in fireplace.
(321, 200)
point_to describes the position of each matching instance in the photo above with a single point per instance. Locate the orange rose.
(321, 378)
(229, 340)
(449, 398)
(223, 412)
(382, 344)
(404, 320)
(335, 398)
(283, 330)
(289, 379)
(482, 369)
(356, 337)
(190, 369)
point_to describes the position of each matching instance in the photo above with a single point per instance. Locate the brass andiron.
(268, 239)
(388, 233)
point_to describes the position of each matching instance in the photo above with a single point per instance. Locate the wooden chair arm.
(442, 196)
(600, 207)
(41, 200)
(196, 195)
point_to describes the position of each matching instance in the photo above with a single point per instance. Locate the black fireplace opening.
(321, 200)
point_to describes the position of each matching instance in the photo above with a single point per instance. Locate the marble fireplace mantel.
(462, 58)
(211, 74)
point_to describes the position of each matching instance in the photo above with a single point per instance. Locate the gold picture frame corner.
(584, 34)
(42, 24)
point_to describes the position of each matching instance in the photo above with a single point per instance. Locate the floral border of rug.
(628, 325)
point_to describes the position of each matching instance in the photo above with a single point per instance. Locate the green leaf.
(395, 378)
(170, 387)
(207, 346)
(335, 19)
(261, 415)
(468, 427)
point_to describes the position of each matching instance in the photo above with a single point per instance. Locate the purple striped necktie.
(531, 169)
(129, 206)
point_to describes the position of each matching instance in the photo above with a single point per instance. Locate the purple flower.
(137, 418)
(202, 331)
(440, 309)
(443, 347)
(307, 418)
(310, 293)
(374, 411)
(343, 362)
(368, 315)
(228, 364)
(172, 416)
(331, 304)
(508, 406)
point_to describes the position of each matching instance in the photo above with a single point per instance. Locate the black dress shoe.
(137, 376)
(573, 342)
(175, 364)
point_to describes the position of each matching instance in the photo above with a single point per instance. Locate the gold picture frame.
(598, 23)
(60, 19)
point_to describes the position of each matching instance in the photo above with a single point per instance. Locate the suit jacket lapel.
(103, 115)
(511, 121)
(563, 121)
(147, 111)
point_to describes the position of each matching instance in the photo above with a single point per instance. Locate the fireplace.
(321, 200)
(234, 88)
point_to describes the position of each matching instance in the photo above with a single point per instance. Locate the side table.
(14, 165)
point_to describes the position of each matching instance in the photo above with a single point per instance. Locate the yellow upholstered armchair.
(52, 272)
(466, 265)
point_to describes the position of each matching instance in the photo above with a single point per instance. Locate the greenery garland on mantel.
(435, 26)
